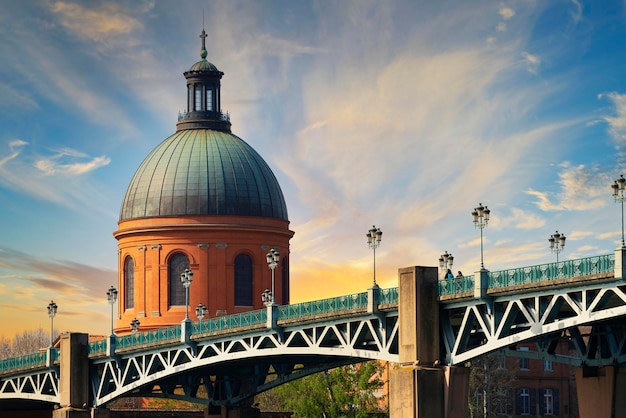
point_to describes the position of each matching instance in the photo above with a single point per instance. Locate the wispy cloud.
(532, 62)
(95, 24)
(48, 177)
(581, 188)
(577, 11)
(54, 164)
(616, 122)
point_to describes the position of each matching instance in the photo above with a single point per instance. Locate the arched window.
(177, 265)
(243, 280)
(129, 283)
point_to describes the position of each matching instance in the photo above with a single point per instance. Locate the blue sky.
(402, 114)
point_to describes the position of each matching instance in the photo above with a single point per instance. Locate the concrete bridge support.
(419, 387)
(601, 391)
(74, 379)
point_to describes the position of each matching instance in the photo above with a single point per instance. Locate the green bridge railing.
(520, 276)
(28, 361)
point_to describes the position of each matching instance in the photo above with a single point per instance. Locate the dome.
(203, 172)
(203, 66)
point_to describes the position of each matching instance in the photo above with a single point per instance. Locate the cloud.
(577, 12)
(97, 25)
(13, 145)
(27, 283)
(52, 165)
(532, 62)
(617, 123)
(581, 188)
(57, 178)
(506, 12)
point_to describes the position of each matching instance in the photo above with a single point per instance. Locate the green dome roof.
(203, 172)
(203, 65)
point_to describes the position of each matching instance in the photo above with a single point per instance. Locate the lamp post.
(186, 278)
(52, 311)
(266, 297)
(374, 236)
(134, 325)
(445, 262)
(112, 297)
(201, 311)
(557, 242)
(619, 194)
(480, 216)
(273, 257)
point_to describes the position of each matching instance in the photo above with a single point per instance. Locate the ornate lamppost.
(186, 277)
(619, 194)
(134, 325)
(266, 297)
(111, 298)
(201, 311)
(52, 311)
(557, 242)
(273, 257)
(445, 262)
(480, 216)
(374, 237)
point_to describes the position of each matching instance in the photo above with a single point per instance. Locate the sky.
(401, 114)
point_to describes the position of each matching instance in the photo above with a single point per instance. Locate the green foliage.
(489, 376)
(348, 391)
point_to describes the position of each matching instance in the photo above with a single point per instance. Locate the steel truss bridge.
(224, 360)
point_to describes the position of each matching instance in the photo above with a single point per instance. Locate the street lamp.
(619, 195)
(273, 257)
(186, 278)
(134, 325)
(112, 297)
(374, 236)
(445, 262)
(557, 242)
(266, 297)
(52, 311)
(201, 311)
(480, 216)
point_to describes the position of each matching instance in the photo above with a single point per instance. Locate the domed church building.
(206, 201)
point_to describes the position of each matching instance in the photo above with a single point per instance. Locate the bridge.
(432, 328)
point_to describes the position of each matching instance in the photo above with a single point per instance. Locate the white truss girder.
(477, 327)
(210, 362)
(38, 385)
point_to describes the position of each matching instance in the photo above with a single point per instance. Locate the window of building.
(547, 365)
(198, 101)
(190, 99)
(209, 99)
(548, 402)
(178, 263)
(243, 280)
(524, 364)
(129, 283)
(524, 399)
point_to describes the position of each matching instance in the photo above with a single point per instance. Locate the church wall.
(211, 244)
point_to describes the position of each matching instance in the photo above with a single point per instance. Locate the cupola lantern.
(203, 96)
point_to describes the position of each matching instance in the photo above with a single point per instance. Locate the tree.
(28, 342)
(490, 376)
(348, 391)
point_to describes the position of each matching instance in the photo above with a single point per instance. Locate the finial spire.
(203, 52)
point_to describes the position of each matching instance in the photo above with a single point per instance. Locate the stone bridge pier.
(419, 386)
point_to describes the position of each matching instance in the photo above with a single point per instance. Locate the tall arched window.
(177, 265)
(129, 283)
(243, 280)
